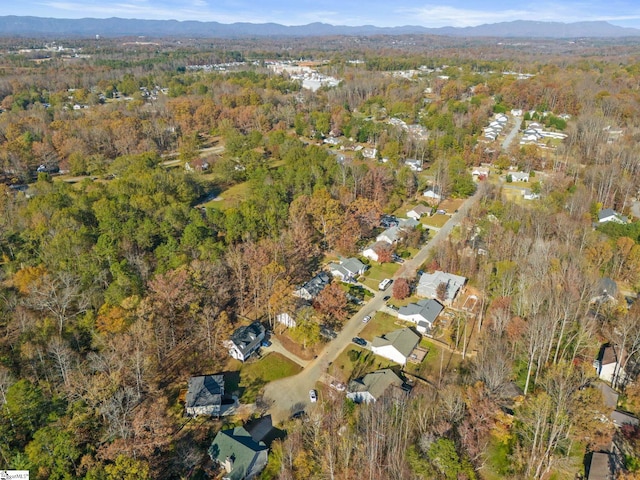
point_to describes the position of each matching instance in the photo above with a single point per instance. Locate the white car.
(366, 319)
(313, 396)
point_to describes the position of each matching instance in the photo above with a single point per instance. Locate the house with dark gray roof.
(313, 287)
(429, 283)
(397, 346)
(204, 395)
(610, 215)
(245, 341)
(373, 385)
(241, 457)
(423, 313)
(348, 269)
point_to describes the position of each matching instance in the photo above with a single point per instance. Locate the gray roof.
(245, 338)
(420, 209)
(349, 267)
(428, 284)
(606, 212)
(314, 286)
(403, 340)
(376, 383)
(260, 428)
(237, 444)
(205, 390)
(428, 309)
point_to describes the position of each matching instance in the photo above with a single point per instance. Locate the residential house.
(370, 153)
(196, 165)
(374, 251)
(262, 430)
(607, 290)
(608, 364)
(348, 269)
(392, 235)
(418, 212)
(432, 195)
(373, 385)
(429, 283)
(204, 395)
(397, 345)
(414, 164)
(529, 195)
(313, 287)
(245, 341)
(601, 466)
(519, 176)
(241, 457)
(422, 313)
(610, 215)
(481, 172)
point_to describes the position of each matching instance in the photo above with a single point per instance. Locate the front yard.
(257, 373)
(355, 361)
(436, 220)
(378, 272)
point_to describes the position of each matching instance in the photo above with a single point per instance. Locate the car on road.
(366, 318)
(387, 298)
(313, 396)
(359, 341)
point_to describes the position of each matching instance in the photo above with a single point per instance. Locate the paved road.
(289, 395)
(512, 134)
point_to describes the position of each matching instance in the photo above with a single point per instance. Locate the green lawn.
(230, 197)
(378, 272)
(255, 375)
(436, 220)
(380, 324)
(353, 365)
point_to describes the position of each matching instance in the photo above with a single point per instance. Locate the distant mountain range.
(120, 27)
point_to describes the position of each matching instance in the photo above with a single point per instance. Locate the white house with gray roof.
(429, 283)
(373, 385)
(392, 235)
(610, 215)
(245, 341)
(348, 269)
(422, 313)
(397, 345)
(313, 287)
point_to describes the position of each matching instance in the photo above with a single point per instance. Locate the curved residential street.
(290, 395)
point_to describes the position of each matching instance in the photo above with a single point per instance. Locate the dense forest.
(123, 272)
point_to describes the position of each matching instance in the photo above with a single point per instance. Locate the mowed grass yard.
(230, 197)
(256, 374)
(436, 220)
(355, 361)
(378, 272)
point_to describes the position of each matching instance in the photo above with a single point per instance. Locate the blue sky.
(383, 13)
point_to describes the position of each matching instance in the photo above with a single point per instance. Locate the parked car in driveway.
(359, 341)
(313, 396)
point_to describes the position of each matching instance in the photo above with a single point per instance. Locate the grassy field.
(353, 365)
(381, 323)
(435, 220)
(230, 197)
(378, 272)
(255, 375)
